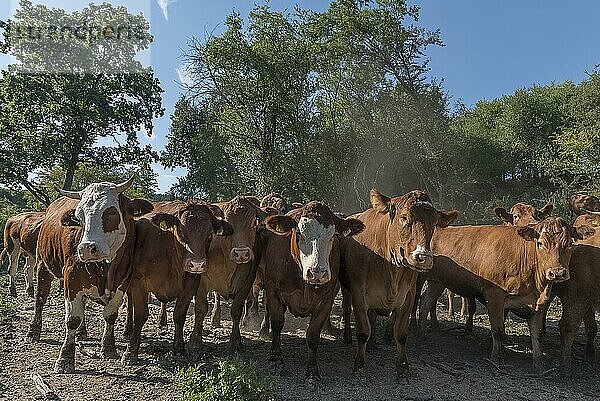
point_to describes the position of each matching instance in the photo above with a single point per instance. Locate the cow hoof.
(64, 365)
(13, 291)
(402, 372)
(81, 333)
(264, 334)
(347, 339)
(30, 291)
(129, 358)
(34, 334)
(179, 349)
(371, 346)
(236, 347)
(127, 335)
(313, 382)
(109, 353)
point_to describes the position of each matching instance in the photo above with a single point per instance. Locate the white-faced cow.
(301, 271)
(87, 238)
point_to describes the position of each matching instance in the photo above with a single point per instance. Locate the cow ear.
(504, 215)
(349, 226)
(528, 233)
(68, 219)
(297, 205)
(270, 211)
(165, 220)
(222, 228)
(216, 211)
(379, 202)
(546, 211)
(446, 218)
(280, 224)
(582, 232)
(139, 207)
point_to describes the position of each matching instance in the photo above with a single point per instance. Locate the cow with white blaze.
(87, 239)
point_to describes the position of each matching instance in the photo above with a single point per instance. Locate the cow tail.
(8, 243)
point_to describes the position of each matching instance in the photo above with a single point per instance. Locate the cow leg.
(13, 261)
(110, 314)
(313, 336)
(162, 318)
(252, 317)
(414, 323)
(428, 304)
(535, 323)
(544, 311)
(73, 317)
(237, 308)
(29, 269)
(347, 312)
(363, 329)
(128, 317)
(402, 317)
(138, 296)
(266, 322)
(82, 329)
(179, 316)
(450, 304)
(201, 309)
(591, 329)
(471, 303)
(44, 281)
(463, 307)
(277, 311)
(495, 305)
(372, 343)
(215, 317)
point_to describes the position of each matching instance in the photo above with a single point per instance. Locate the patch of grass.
(226, 379)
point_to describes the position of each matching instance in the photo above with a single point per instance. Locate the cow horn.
(68, 194)
(124, 185)
(590, 212)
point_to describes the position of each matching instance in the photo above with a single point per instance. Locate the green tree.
(86, 105)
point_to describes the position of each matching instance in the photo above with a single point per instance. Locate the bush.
(227, 379)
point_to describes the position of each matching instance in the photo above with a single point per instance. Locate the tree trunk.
(69, 178)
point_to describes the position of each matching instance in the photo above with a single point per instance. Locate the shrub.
(227, 379)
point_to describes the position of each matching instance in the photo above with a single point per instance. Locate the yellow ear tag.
(163, 225)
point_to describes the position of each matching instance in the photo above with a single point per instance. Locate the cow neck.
(529, 268)
(294, 250)
(121, 268)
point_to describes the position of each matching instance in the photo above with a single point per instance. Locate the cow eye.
(540, 245)
(515, 216)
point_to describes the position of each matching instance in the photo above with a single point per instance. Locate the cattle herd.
(111, 249)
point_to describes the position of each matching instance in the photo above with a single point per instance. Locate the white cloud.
(184, 75)
(164, 6)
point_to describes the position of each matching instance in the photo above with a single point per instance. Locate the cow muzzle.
(89, 252)
(241, 255)
(557, 274)
(317, 277)
(420, 259)
(196, 266)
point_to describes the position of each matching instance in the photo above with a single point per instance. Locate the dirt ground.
(448, 365)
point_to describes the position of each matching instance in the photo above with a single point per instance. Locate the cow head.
(522, 214)
(412, 219)
(244, 215)
(581, 203)
(105, 215)
(554, 239)
(194, 226)
(311, 229)
(276, 201)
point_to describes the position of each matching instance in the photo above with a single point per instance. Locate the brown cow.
(580, 203)
(87, 240)
(580, 298)
(251, 315)
(380, 265)
(20, 237)
(301, 272)
(521, 215)
(504, 267)
(168, 262)
(232, 264)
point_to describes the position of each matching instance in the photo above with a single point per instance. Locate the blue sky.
(492, 47)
